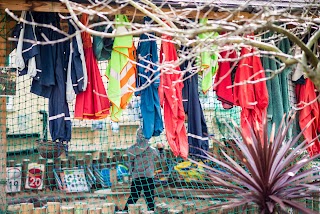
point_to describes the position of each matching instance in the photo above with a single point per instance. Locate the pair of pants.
(139, 184)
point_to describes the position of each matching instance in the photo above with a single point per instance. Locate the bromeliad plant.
(268, 172)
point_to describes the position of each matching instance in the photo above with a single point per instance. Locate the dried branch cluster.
(180, 19)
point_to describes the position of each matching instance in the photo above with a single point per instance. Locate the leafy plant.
(268, 172)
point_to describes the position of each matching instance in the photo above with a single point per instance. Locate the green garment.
(277, 86)
(118, 65)
(208, 60)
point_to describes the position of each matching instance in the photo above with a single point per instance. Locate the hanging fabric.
(27, 52)
(45, 80)
(56, 55)
(121, 70)
(209, 59)
(148, 80)
(18, 33)
(197, 126)
(102, 46)
(93, 103)
(252, 98)
(223, 79)
(278, 85)
(77, 79)
(59, 116)
(306, 96)
(170, 93)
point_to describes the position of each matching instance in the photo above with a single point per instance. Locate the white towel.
(19, 62)
(70, 95)
(32, 66)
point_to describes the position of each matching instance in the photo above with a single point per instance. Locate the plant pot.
(49, 149)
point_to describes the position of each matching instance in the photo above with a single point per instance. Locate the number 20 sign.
(35, 176)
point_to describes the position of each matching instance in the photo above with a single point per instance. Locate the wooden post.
(26, 208)
(316, 201)
(25, 163)
(53, 208)
(88, 159)
(188, 208)
(175, 211)
(3, 122)
(39, 210)
(95, 161)
(10, 163)
(162, 209)
(124, 159)
(103, 157)
(80, 163)
(113, 177)
(108, 208)
(50, 177)
(72, 160)
(94, 210)
(64, 163)
(66, 210)
(109, 159)
(45, 179)
(80, 208)
(3, 144)
(57, 163)
(116, 156)
(134, 208)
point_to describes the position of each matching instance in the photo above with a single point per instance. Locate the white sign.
(35, 176)
(75, 180)
(13, 179)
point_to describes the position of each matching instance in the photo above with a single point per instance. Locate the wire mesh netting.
(94, 168)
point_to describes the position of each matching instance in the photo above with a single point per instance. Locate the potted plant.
(268, 172)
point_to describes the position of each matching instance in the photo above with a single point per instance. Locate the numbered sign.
(35, 176)
(75, 180)
(13, 179)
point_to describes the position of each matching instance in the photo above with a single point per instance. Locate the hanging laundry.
(252, 98)
(197, 126)
(45, 80)
(56, 55)
(102, 46)
(223, 79)
(26, 51)
(121, 70)
(278, 85)
(18, 33)
(170, 93)
(208, 58)
(77, 79)
(147, 53)
(306, 96)
(93, 103)
(59, 116)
